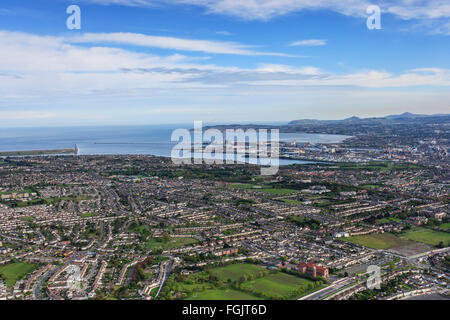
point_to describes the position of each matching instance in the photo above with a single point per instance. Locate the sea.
(123, 140)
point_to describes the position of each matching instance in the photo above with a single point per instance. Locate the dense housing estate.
(142, 227)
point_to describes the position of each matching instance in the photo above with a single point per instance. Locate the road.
(38, 285)
(166, 275)
(334, 287)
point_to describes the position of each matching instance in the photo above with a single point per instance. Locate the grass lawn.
(88, 215)
(445, 226)
(158, 243)
(371, 186)
(386, 220)
(292, 201)
(279, 284)
(233, 272)
(223, 294)
(13, 272)
(381, 166)
(262, 188)
(310, 197)
(427, 236)
(270, 286)
(279, 191)
(197, 286)
(56, 200)
(138, 228)
(49, 201)
(378, 241)
(247, 186)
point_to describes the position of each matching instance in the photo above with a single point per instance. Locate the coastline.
(21, 153)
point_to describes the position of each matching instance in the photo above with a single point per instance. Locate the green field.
(279, 285)
(381, 166)
(47, 201)
(427, 236)
(158, 243)
(139, 228)
(262, 188)
(241, 281)
(386, 220)
(13, 272)
(88, 215)
(292, 201)
(234, 272)
(445, 226)
(378, 241)
(223, 294)
(371, 186)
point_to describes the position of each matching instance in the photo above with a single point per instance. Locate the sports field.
(279, 284)
(428, 236)
(291, 201)
(371, 186)
(158, 243)
(262, 188)
(387, 220)
(234, 272)
(245, 281)
(13, 272)
(378, 241)
(223, 294)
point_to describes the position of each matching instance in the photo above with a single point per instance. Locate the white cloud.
(31, 53)
(443, 29)
(268, 9)
(369, 79)
(38, 71)
(224, 33)
(216, 47)
(24, 115)
(272, 68)
(419, 9)
(310, 42)
(131, 3)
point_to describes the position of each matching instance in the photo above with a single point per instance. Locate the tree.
(165, 237)
(392, 266)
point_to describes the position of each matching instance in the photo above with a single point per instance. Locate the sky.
(176, 61)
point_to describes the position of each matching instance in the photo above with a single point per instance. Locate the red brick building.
(313, 270)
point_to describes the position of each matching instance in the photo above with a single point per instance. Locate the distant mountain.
(408, 115)
(404, 117)
(382, 126)
(354, 118)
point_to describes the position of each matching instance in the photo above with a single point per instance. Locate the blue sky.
(175, 61)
